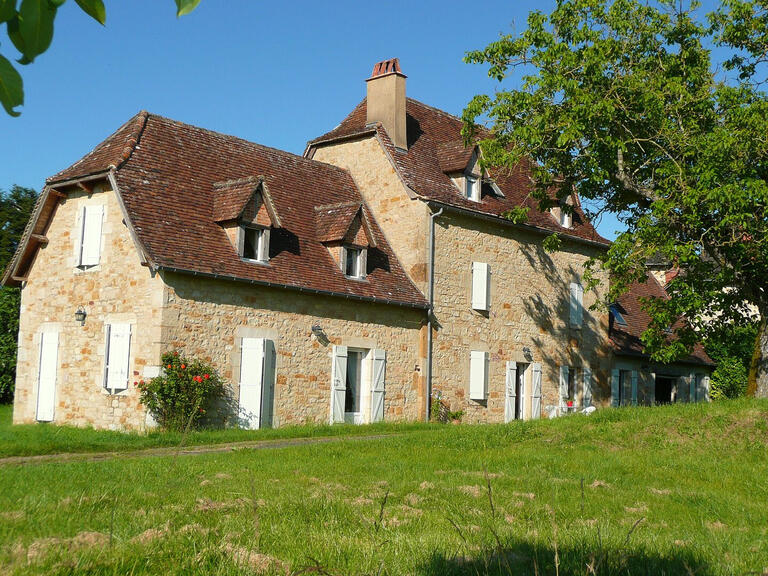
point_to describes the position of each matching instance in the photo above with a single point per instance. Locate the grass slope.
(672, 490)
(33, 439)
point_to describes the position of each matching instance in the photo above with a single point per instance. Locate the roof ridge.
(238, 181)
(231, 137)
(338, 205)
(443, 112)
(133, 141)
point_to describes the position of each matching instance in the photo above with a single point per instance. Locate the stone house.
(350, 284)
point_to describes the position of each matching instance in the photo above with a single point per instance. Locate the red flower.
(135, 384)
(201, 410)
(206, 376)
(183, 366)
(176, 353)
(169, 366)
(570, 403)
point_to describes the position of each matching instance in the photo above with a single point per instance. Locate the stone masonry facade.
(118, 290)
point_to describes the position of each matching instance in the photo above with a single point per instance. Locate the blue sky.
(275, 73)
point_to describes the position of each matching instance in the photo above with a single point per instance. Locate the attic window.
(354, 261)
(254, 243)
(618, 318)
(472, 187)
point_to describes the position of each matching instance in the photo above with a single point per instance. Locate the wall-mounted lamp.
(527, 353)
(317, 332)
(80, 315)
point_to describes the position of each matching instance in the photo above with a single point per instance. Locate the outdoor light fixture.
(318, 333)
(80, 315)
(527, 352)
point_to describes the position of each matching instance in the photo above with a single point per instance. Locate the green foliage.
(729, 380)
(181, 397)
(15, 209)
(731, 341)
(30, 25)
(620, 101)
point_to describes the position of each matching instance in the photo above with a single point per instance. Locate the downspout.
(431, 300)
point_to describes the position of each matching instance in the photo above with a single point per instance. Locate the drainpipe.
(430, 299)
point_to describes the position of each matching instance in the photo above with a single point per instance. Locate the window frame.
(360, 261)
(261, 247)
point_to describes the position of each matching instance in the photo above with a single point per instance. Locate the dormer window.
(472, 187)
(354, 261)
(254, 244)
(617, 316)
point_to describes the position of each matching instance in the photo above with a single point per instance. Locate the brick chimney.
(386, 100)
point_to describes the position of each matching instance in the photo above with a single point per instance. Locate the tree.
(30, 29)
(621, 102)
(15, 210)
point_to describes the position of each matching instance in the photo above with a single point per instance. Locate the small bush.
(183, 394)
(729, 380)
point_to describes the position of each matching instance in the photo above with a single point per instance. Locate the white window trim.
(362, 262)
(262, 247)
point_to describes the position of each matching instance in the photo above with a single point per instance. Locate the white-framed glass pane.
(353, 262)
(250, 243)
(354, 381)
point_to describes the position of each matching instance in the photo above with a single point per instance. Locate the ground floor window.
(623, 387)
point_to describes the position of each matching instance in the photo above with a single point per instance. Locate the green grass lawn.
(672, 490)
(33, 439)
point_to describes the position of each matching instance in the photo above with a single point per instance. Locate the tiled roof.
(434, 148)
(333, 221)
(168, 184)
(626, 339)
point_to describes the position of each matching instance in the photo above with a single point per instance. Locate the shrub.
(183, 394)
(729, 380)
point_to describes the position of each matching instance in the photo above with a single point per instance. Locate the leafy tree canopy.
(30, 29)
(15, 209)
(622, 102)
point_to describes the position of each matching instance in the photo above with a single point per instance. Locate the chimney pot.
(386, 100)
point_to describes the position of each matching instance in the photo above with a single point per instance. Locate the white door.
(46, 376)
(252, 360)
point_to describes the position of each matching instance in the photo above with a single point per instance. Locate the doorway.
(664, 387)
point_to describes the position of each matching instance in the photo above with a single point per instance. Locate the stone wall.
(529, 308)
(118, 290)
(207, 318)
(403, 220)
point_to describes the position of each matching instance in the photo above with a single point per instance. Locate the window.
(354, 261)
(89, 246)
(472, 187)
(255, 244)
(576, 304)
(617, 316)
(354, 381)
(117, 356)
(566, 218)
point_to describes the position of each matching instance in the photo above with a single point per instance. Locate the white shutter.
(343, 262)
(91, 235)
(118, 356)
(564, 373)
(46, 376)
(268, 385)
(251, 381)
(263, 254)
(511, 392)
(577, 304)
(615, 382)
(692, 388)
(481, 286)
(536, 392)
(338, 383)
(634, 387)
(78, 244)
(363, 262)
(478, 375)
(377, 386)
(586, 398)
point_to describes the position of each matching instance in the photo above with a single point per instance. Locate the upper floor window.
(354, 261)
(89, 245)
(576, 304)
(472, 187)
(566, 218)
(254, 243)
(617, 316)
